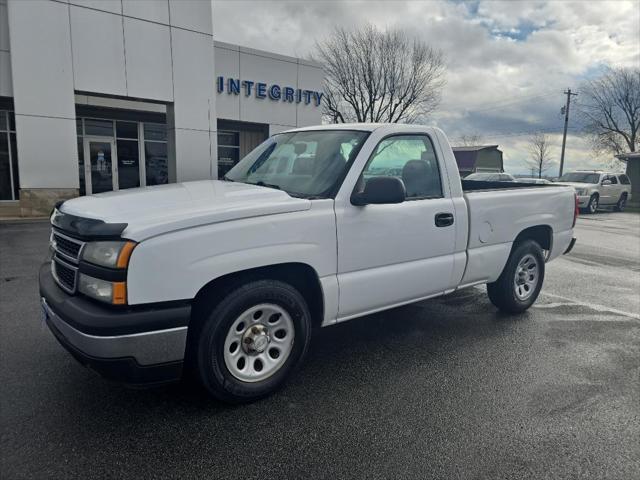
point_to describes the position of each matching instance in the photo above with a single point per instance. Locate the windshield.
(307, 164)
(580, 177)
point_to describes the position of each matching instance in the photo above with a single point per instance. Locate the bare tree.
(610, 110)
(540, 154)
(379, 76)
(470, 140)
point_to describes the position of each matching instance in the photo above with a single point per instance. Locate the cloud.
(508, 62)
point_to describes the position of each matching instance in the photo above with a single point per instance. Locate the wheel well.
(299, 275)
(541, 234)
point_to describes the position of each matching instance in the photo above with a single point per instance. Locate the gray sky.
(508, 61)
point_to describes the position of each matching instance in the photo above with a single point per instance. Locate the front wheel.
(253, 340)
(592, 206)
(520, 282)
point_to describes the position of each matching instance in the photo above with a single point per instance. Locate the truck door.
(394, 253)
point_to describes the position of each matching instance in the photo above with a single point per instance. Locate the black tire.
(502, 292)
(622, 202)
(592, 206)
(210, 364)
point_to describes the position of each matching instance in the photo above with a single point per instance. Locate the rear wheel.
(622, 202)
(253, 340)
(518, 286)
(592, 206)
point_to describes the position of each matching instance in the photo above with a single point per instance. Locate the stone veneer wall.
(38, 202)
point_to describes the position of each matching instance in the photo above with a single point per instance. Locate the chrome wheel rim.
(259, 342)
(526, 278)
(594, 205)
(622, 203)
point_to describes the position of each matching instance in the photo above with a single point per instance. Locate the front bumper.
(135, 346)
(583, 200)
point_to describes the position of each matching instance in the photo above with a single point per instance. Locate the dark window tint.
(14, 164)
(100, 160)
(611, 178)
(12, 122)
(103, 128)
(624, 180)
(227, 158)
(580, 177)
(156, 163)
(128, 164)
(3, 120)
(229, 139)
(155, 131)
(83, 188)
(127, 130)
(410, 158)
(79, 126)
(5, 172)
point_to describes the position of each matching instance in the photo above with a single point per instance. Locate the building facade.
(101, 95)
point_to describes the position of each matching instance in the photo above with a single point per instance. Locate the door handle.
(444, 219)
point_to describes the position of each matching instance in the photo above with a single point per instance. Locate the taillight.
(576, 211)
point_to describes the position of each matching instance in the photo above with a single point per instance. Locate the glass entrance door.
(101, 172)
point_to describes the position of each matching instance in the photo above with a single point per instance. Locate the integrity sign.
(275, 92)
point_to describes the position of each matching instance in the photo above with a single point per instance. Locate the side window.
(410, 158)
(624, 180)
(613, 179)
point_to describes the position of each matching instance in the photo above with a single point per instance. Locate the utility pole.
(568, 93)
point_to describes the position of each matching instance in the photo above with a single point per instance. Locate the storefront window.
(9, 182)
(5, 169)
(101, 128)
(228, 151)
(138, 156)
(155, 131)
(127, 130)
(83, 188)
(156, 163)
(155, 153)
(128, 164)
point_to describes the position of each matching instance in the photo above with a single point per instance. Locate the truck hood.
(152, 211)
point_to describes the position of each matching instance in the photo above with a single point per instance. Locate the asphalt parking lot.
(446, 388)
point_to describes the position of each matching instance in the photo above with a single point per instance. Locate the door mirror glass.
(606, 182)
(380, 190)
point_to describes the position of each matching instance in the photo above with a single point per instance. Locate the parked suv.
(599, 189)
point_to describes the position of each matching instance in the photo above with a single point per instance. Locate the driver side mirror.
(380, 190)
(606, 182)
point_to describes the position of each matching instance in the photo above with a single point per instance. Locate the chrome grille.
(66, 257)
(66, 247)
(64, 274)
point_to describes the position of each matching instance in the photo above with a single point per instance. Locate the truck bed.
(476, 185)
(498, 211)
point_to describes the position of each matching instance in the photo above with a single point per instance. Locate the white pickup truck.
(226, 278)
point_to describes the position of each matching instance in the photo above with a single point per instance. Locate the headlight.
(108, 254)
(580, 191)
(109, 292)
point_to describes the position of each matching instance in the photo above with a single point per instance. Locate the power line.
(507, 102)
